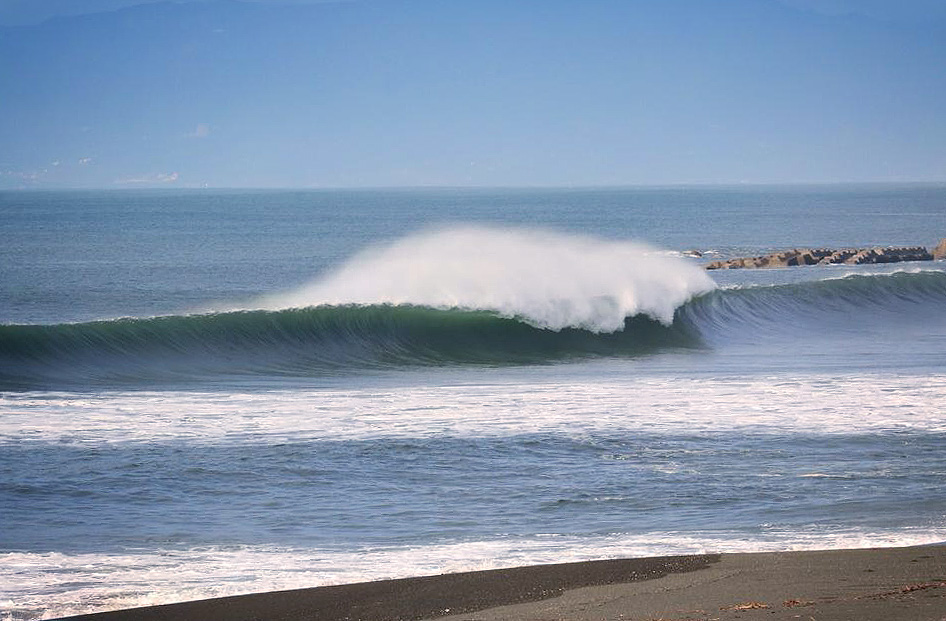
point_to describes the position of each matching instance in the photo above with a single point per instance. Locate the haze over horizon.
(300, 94)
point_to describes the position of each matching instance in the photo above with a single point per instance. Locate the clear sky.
(124, 93)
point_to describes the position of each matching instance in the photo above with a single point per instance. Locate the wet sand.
(882, 584)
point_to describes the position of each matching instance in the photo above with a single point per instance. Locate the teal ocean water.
(205, 393)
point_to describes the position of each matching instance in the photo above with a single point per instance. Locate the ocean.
(207, 392)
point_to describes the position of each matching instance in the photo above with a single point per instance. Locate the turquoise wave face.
(301, 342)
(332, 340)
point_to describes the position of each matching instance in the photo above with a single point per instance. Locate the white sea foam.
(499, 405)
(552, 280)
(51, 585)
(887, 270)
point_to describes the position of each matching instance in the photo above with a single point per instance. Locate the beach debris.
(746, 606)
(795, 603)
(909, 588)
(923, 586)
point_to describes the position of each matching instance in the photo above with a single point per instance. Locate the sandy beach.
(881, 584)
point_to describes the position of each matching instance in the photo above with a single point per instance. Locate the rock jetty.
(830, 256)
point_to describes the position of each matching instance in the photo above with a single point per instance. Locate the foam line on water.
(491, 407)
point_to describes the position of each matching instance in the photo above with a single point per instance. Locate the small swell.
(810, 308)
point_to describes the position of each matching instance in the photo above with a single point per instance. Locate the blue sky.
(118, 93)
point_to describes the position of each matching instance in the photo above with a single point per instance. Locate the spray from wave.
(546, 279)
(465, 295)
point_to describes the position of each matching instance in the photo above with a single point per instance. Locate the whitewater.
(212, 393)
(549, 280)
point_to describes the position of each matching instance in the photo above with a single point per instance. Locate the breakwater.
(831, 256)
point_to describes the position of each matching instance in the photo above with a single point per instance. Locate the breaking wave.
(546, 279)
(493, 298)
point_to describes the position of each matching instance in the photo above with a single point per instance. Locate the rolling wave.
(314, 341)
(338, 339)
(812, 309)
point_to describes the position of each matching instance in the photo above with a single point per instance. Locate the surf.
(547, 279)
(467, 296)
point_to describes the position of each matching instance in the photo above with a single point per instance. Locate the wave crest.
(547, 279)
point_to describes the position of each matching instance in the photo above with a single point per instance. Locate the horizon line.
(629, 186)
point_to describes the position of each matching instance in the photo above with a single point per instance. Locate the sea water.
(205, 393)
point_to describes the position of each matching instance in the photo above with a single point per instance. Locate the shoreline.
(875, 583)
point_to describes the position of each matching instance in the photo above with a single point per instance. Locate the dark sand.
(876, 584)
